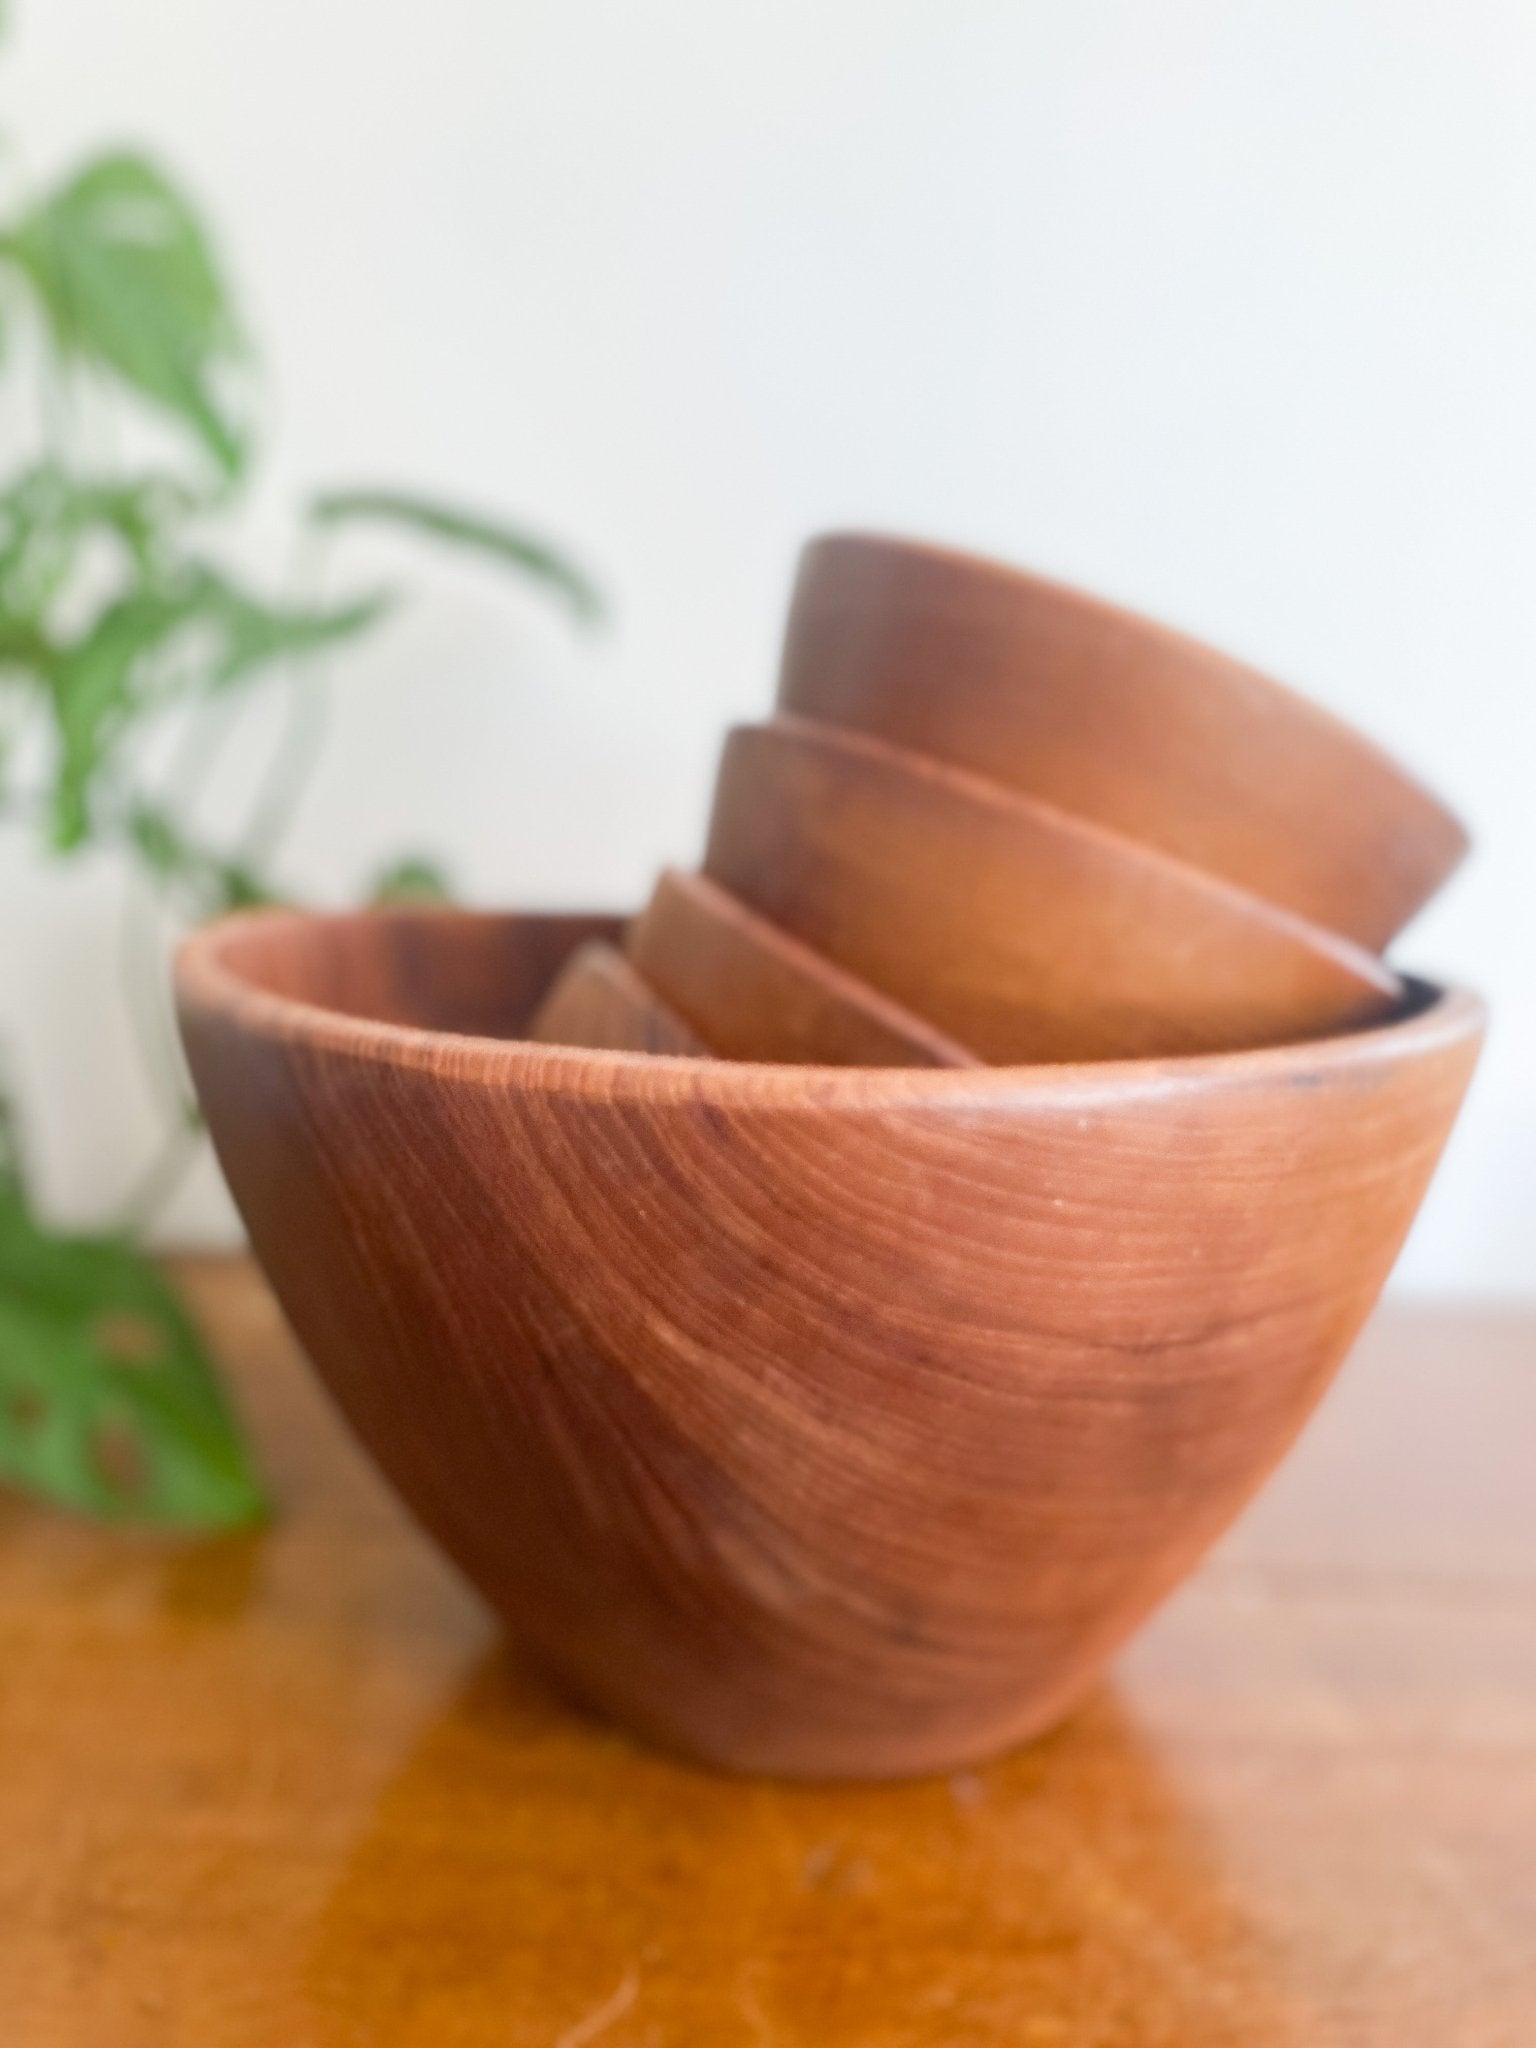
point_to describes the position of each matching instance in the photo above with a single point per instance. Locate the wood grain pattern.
(755, 993)
(1022, 932)
(286, 1791)
(598, 1000)
(819, 1422)
(1115, 718)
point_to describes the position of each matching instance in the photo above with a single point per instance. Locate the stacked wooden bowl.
(826, 1313)
(996, 821)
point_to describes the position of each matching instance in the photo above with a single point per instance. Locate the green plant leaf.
(128, 280)
(46, 514)
(529, 554)
(213, 882)
(92, 683)
(251, 633)
(191, 629)
(411, 879)
(108, 1402)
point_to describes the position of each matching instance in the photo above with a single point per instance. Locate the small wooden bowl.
(1023, 932)
(1105, 714)
(833, 1422)
(599, 1001)
(755, 993)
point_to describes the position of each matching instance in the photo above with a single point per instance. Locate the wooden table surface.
(288, 1789)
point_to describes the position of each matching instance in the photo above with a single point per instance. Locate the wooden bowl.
(1023, 932)
(598, 1000)
(1102, 713)
(826, 1422)
(754, 993)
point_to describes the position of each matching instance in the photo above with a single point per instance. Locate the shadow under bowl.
(813, 1421)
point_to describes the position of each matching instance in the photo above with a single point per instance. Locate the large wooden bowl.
(1022, 932)
(826, 1422)
(1106, 714)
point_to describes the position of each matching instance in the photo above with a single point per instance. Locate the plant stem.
(207, 726)
(290, 769)
(140, 954)
(149, 1195)
(293, 761)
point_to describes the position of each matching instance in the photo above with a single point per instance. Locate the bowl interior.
(475, 973)
(484, 974)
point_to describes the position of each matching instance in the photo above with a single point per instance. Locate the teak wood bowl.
(812, 1421)
(1021, 931)
(1109, 715)
(754, 993)
(598, 1000)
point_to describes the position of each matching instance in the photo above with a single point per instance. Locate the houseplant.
(123, 636)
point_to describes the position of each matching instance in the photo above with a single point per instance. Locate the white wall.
(1228, 310)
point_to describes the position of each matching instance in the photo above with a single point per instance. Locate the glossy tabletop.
(289, 1789)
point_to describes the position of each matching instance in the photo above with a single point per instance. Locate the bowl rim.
(207, 980)
(1283, 697)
